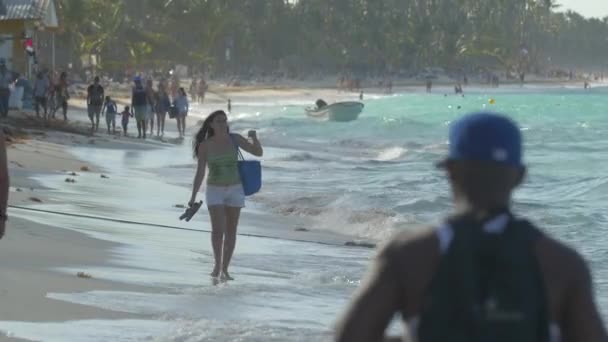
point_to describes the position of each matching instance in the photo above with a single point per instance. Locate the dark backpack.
(488, 287)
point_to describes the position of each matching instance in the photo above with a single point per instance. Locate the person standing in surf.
(193, 90)
(216, 148)
(163, 103)
(62, 95)
(484, 274)
(41, 91)
(95, 98)
(139, 104)
(151, 108)
(110, 109)
(125, 115)
(202, 90)
(181, 102)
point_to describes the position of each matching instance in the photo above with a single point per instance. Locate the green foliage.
(304, 35)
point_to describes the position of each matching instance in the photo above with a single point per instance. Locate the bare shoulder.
(560, 260)
(563, 269)
(411, 240)
(203, 148)
(569, 284)
(414, 249)
(413, 257)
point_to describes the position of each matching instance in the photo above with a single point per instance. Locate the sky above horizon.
(587, 8)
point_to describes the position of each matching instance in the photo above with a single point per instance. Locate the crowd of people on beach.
(147, 104)
(52, 91)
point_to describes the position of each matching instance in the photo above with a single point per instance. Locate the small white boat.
(339, 111)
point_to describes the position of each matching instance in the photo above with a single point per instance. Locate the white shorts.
(230, 196)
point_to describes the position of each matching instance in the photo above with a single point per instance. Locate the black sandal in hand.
(191, 211)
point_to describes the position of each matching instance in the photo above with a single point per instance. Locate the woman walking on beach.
(62, 95)
(151, 109)
(214, 146)
(202, 90)
(181, 102)
(163, 103)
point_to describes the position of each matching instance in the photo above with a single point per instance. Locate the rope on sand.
(349, 244)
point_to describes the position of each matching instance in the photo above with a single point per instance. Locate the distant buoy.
(491, 101)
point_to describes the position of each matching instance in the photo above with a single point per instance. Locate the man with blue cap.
(484, 274)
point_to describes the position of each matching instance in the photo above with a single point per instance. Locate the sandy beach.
(31, 250)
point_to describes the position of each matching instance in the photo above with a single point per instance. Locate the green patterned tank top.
(223, 169)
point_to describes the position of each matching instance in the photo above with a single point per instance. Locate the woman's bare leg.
(218, 227)
(232, 222)
(162, 119)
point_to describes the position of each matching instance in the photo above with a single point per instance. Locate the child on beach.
(125, 119)
(110, 110)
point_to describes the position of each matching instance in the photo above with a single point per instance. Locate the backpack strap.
(533, 235)
(495, 225)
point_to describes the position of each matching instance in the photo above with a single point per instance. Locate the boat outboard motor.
(320, 104)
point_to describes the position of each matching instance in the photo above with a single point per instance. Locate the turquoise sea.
(362, 180)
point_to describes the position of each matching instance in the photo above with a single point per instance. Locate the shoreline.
(26, 278)
(219, 91)
(28, 275)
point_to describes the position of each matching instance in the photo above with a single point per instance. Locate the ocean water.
(363, 180)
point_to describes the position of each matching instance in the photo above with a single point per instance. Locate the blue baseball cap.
(136, 79)
(486, 137)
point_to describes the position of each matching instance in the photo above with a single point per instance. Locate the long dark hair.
(205, 132)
